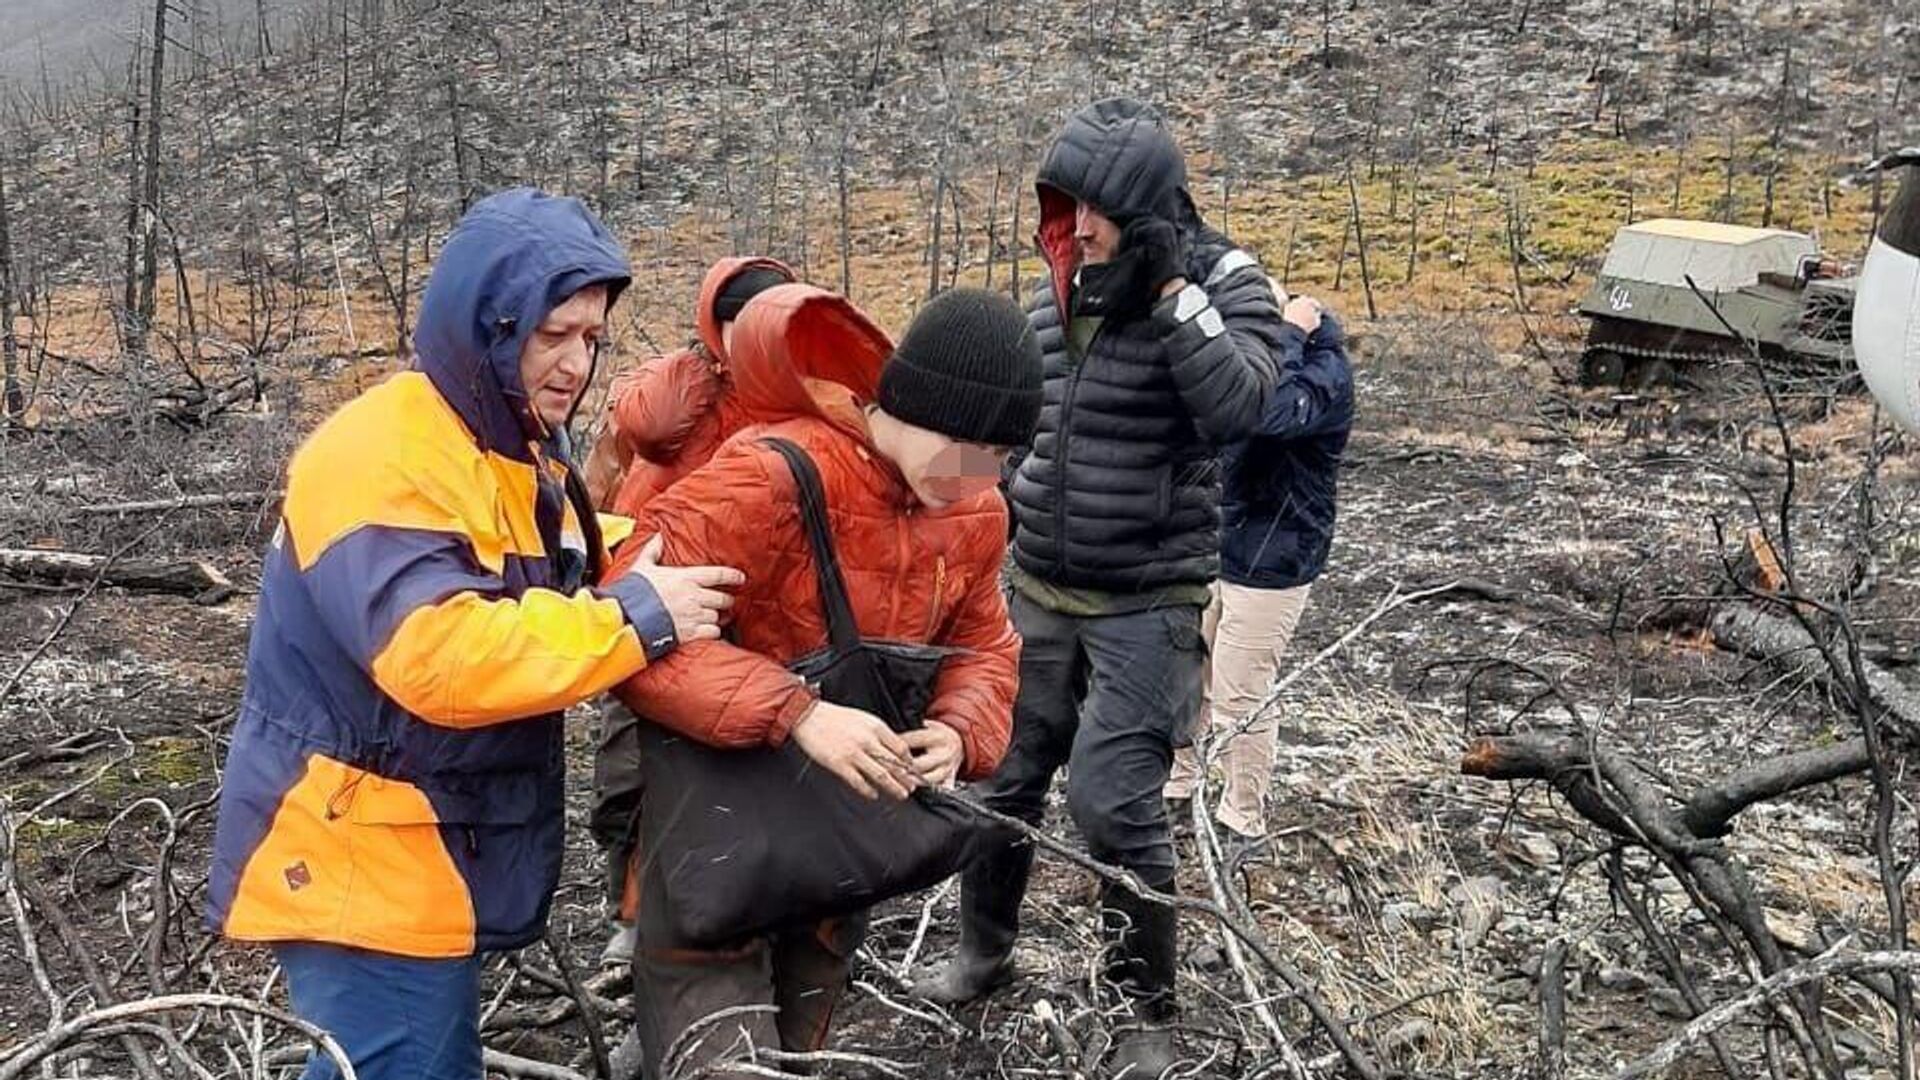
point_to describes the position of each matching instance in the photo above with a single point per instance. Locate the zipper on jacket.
(900, 530)
(939, 592)
(1075, 362)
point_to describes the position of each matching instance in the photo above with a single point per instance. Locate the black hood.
(1119, 156)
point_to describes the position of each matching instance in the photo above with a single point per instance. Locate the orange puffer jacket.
(666, 417)
(914, 574)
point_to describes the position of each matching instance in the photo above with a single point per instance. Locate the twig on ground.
(1664, 950)
(589, 1016)
(1826, 966)
(1336, 1029)
(29, 1054)
(103, 994)
(944, 1023)
(248, 499)
(920, 928)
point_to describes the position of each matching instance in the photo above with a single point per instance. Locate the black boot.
(990, 894)
(1142, 946)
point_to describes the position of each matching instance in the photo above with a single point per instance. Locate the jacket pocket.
(1164, 495)
(457, 799)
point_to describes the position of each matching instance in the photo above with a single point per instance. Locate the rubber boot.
(990, 894)
(1142, 945)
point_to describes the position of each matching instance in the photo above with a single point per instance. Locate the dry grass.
(1572, 197)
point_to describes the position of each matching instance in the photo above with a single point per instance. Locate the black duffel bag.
(751, 840)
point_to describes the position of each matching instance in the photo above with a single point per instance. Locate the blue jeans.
(397, 1017)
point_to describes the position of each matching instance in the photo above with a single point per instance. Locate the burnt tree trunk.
(13, 401)
(150, 180)
(192, 577)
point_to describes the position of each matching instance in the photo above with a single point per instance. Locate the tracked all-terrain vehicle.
(1650, 330)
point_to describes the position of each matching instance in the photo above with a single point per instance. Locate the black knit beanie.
(743, 287)
(968, 367)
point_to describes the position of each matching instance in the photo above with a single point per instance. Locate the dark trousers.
(800, 972)
(616, 799)
(1109, 697)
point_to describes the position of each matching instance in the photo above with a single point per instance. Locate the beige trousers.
(1247, 633)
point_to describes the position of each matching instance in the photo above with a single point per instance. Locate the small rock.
(1478, 902)
(1855, 1047)
(1534, 849)
(1619, 978)
(1208, 957)
(1515, 1014)
(1513, 990)
(1406, 916)
(1410, 1036)
(1668, 1002)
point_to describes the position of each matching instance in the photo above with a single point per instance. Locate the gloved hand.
(1152, 252)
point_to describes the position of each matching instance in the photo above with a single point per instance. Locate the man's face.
(557, 359)
(1095, 233)
(942, 470)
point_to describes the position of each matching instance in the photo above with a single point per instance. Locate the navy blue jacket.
(1277, 508)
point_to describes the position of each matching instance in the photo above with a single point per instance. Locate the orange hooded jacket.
(666, 417)
(810, 360)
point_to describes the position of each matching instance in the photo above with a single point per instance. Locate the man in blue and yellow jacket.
(393, 796)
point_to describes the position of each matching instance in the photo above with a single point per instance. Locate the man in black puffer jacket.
(1159, 339)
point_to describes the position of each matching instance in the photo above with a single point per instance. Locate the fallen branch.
(1608, 791)
(499, 1061)
(1295, 980)
(1711, 810)
(1752, 632)
(59, 1035)
(1472, 588)
(98, 574)
(944, 1023)
(1208, 843)
(1663, 949)
(76, 948)
(589, 1016)
(249, 499)
(189, 577)
(1826, 966)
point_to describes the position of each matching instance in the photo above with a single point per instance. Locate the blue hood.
(511, 260)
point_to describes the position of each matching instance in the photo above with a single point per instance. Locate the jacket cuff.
(645, 613)
(791, 712)
(1187, 311)
(1293, 340)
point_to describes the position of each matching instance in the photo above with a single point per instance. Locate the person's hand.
(692, 594)
(1304, 312)
(1156, 245)
(937, 754)
(1150, 262)
(858, 748)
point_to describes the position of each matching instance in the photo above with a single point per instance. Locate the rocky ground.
(1418, 900)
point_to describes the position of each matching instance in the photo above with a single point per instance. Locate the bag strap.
(842, 632)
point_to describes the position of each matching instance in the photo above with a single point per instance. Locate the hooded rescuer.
(392, 803)
(1160, 340)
